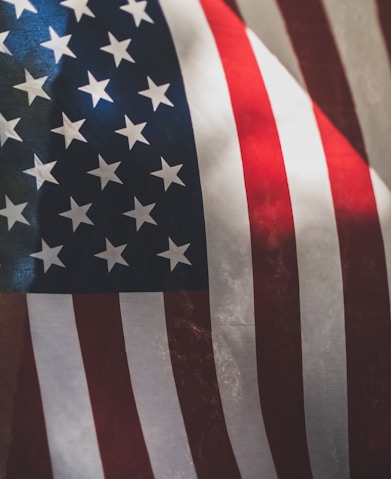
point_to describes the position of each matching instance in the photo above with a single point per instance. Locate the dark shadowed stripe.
(266, 21)
(120, 438)
(233, 5)
(23, 433)
(384, 9)
(367, 307)
(368, 330)
(12, 339)
(322, 69)
(276, 296)
(191, 350)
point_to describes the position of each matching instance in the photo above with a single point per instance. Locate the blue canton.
(99, 181)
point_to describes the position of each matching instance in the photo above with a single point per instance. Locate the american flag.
(195, 247)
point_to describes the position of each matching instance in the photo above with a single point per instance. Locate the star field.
(99, 182)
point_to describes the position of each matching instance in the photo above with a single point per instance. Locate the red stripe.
(24, 441)
(367, 307)
(120, 437)
(384, 9)
(322, 69)
(191, 350)
(276, 286)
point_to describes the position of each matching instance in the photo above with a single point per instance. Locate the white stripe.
(265, 19)
(383, 203)
(228, 235)
(69, 422)
(153, 383)
(320, 278)
(356, 29)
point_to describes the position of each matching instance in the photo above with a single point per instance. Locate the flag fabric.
(195, 247)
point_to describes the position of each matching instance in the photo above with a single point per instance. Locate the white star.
(157, 94)
(7, 130)
(78, 214)
(96, 89)
(42, 172)
(141, 213)
(176, 254)
(33, 87)
(49, 256)
(112, 255)
(118, 49)
(133, 132)
(13, 213)
(21, 5)
(169, 174)
(70, 130)
(59, 45)
(137, 9)
(79, 7)
(106, 172)
(3, 48)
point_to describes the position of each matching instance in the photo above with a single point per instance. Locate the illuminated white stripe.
(153, 383)
(360, 42)
(228, 235)
(320, 278)
(69, 422)
(266, 21)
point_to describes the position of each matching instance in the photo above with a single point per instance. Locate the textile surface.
(195, 239)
